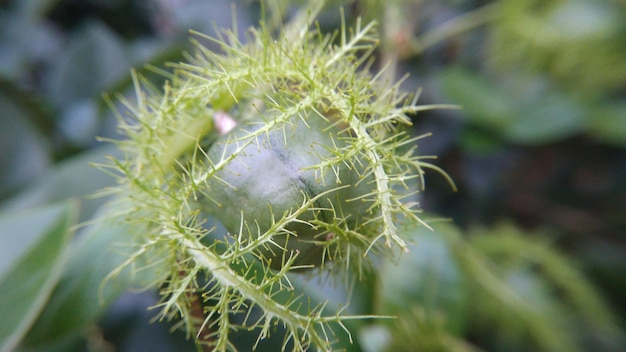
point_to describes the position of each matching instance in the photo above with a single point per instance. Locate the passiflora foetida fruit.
(295, 147)
(298, 170)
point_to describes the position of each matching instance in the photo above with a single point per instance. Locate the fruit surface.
(272, 174)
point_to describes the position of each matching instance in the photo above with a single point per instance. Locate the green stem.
(454, 27)
(382, 185)
(229, 279)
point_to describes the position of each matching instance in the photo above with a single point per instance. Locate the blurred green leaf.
(477, 141)
(609, 123)
(82, 295)
(36, 8)
(506, 306)
(526, 294)
(33, 247)
(483, 102)
(428, 277)
(24, 149)
(94, 59)
(75, 177)
(548, 119)
(27, 41)
(426, 291)
(525, 113)
(577, 44)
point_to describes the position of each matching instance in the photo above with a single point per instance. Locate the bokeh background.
(537, 150)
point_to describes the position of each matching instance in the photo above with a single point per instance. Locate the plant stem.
(454, 27)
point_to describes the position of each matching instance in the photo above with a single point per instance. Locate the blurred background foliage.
(533, 257)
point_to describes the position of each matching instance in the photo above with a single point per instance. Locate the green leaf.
(479, 142)
(24, 149)
(525, 295)
(75, 177)
(551, 118)
(428, 277)
(483, 102)
(94, 59)
(609, 123)
(82, 294)
(36, 9)
(526, 112)
(33, 252)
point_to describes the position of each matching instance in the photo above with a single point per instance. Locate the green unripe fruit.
(274, 174)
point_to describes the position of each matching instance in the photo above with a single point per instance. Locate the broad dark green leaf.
(33, 248)
(428, 277)
(527, 112)
(24, 149)
(94, 59)
(551, 118)
(482, 102)
(75, 177)
(82, 294)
